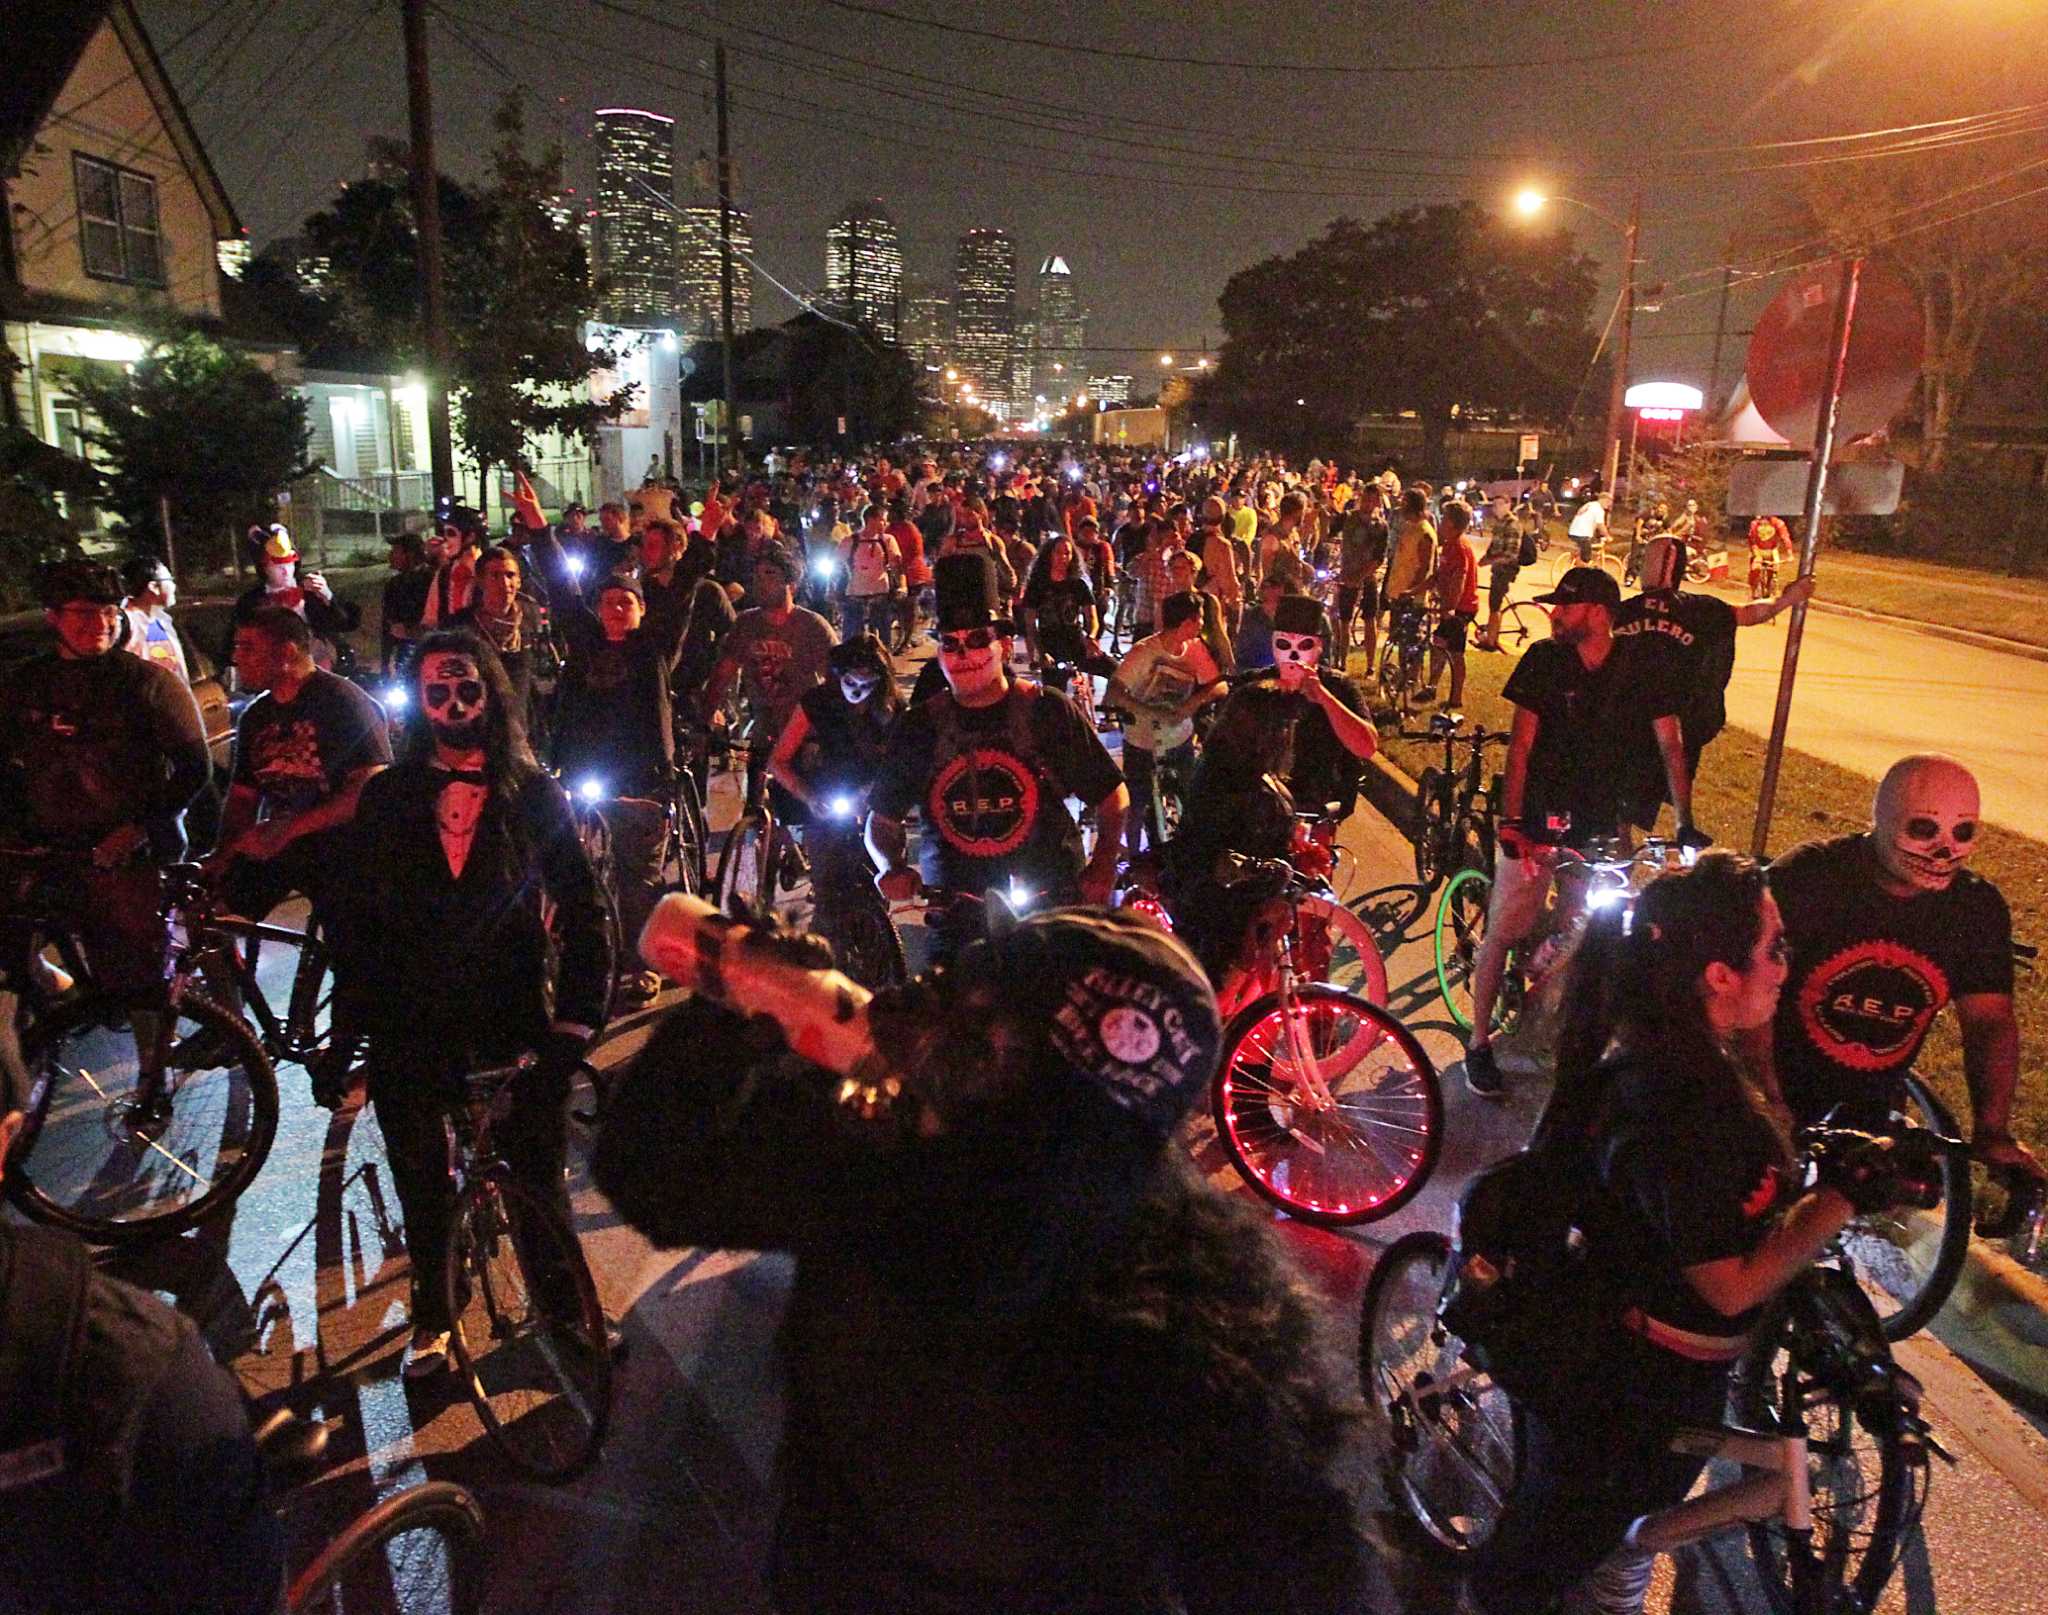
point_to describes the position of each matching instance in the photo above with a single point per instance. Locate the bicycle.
(586, 811)
(1763, 574)
(106, 1155)
(530, 1341)
(1521, 622)
(1324, 1102)
(850, 914)
(223, 950)
(1402, 651)
(760, 857)
(1836, 1473)
(1605, 868)
(1456, 804)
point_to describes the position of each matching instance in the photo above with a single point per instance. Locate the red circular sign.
(1788, 353)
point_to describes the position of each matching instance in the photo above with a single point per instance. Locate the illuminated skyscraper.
(927, 324)
(1062, 331)
(1023, 372)
(697, 290)
(864, 267)
(985, 310)
(636, 227)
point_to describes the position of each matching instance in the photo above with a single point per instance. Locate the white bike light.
(590, 788)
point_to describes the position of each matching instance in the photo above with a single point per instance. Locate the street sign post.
(1529, 448)
(1789, 355)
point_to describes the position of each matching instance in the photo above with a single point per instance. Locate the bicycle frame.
(275, 1030)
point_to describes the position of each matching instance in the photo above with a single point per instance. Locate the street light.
(1166, 361)
(1529, 202)
(952, 374)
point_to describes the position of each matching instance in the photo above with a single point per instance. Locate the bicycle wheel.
(1522, 622)
(415, 1551)
(1432, 830)
(1460, 928)
(688, 858)
(1908, 1261)
(1332, 944)
(1327, 1106)
(746, 876)
(865, 943)
(529, 1336)
(92, 1170)
(1388, 676)
(1862, 1482)
(596, 837)
(1451, 1439)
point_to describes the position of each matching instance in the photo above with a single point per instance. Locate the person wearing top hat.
(1033, 1363)
(1563, 783)
(1332, 737)
(988, 764)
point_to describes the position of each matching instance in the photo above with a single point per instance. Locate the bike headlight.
(824, 566)
(840, 807)
(590, 788)
(573, 565)
(396, 698)
(1601, 897)
(1019, 896)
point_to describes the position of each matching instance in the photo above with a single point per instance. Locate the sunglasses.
(438, 694)
(968, 639)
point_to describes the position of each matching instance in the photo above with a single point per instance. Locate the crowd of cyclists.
(1141, 682)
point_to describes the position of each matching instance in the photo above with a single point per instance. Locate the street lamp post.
(1529, 203)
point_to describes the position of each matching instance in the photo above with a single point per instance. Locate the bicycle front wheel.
(1908, 1260)
(529, 1335)
(111, 1162)
(746, 872)
(414, 1551)
(1327, 1106)
(1332, 944)
(865, 943)
(1433, 829)
(1451, 1440)
(1523, 621)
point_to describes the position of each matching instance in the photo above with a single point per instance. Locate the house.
(113, 216)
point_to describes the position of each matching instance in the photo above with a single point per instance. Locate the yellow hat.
(279, 546)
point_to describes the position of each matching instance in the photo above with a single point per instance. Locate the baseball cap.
(622, 580)
(1584, 586)
(1124, 1007)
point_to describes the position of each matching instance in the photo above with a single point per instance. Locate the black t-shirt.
(991, 785)
(297, 754)
(845, 747)
(1871, 971)
(613, 716)
(1571, 765)
(1692, 1173)
(1324, 770)
(1063, 609)
(1677, 653)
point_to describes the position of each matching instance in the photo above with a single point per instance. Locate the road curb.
(1390, 790)
(1936, 630)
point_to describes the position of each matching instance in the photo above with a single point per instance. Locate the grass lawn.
(1818, 799)
(1985, 602)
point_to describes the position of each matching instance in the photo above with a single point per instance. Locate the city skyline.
(634, 238)
(864, 267)
(699, 279)
(985, 310)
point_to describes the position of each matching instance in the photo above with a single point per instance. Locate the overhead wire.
(1075, 47)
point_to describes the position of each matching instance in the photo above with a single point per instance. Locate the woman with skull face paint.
(831, 750)
(1886, 928)
(460, 846)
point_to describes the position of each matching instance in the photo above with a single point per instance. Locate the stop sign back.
(1788, 353)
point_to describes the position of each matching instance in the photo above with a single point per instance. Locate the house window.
(69, 421)
(117, 223)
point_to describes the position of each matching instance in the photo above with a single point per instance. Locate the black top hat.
(1301, 614)
(967, 597)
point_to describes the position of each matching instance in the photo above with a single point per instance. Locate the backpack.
(1529, 552)
(867, 564)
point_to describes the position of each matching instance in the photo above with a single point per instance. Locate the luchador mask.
(1926, 821)
(455, 698)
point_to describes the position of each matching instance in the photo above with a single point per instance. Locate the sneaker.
(426, 1353)
(1483, 1074)
(149, 1112)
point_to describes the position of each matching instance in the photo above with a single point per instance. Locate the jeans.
(1141, 773)
(858, 613)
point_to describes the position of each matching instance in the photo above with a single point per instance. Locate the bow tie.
(461, 776)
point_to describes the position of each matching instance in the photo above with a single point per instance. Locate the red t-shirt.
(917, 570)
(1457, 579)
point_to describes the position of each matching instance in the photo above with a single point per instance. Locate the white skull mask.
(454, 696)
(1926, 821)
(1295, 656)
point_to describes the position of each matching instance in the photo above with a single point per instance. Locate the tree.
(1439, 310)
(517, 288)
(34, 526)
(818, 370)
(203, 427)
(1975, 267)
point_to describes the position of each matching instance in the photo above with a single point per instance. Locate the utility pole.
(730, 435)
(1610, 464)
(426, 211)
(1720, 336)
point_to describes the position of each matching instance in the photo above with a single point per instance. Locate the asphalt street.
(305, 1291)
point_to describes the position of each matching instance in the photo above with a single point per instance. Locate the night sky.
(1579, 97)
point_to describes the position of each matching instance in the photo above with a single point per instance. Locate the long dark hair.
(867, 655)
(1635, 979)
(508, 758)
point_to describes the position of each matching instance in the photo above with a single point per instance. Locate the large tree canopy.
(1427, 309)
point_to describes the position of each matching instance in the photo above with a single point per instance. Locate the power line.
(1327, 68)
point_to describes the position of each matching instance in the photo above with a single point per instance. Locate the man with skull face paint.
(459, 847)
(989, 764)
(1885, 929)
(1331, 739)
